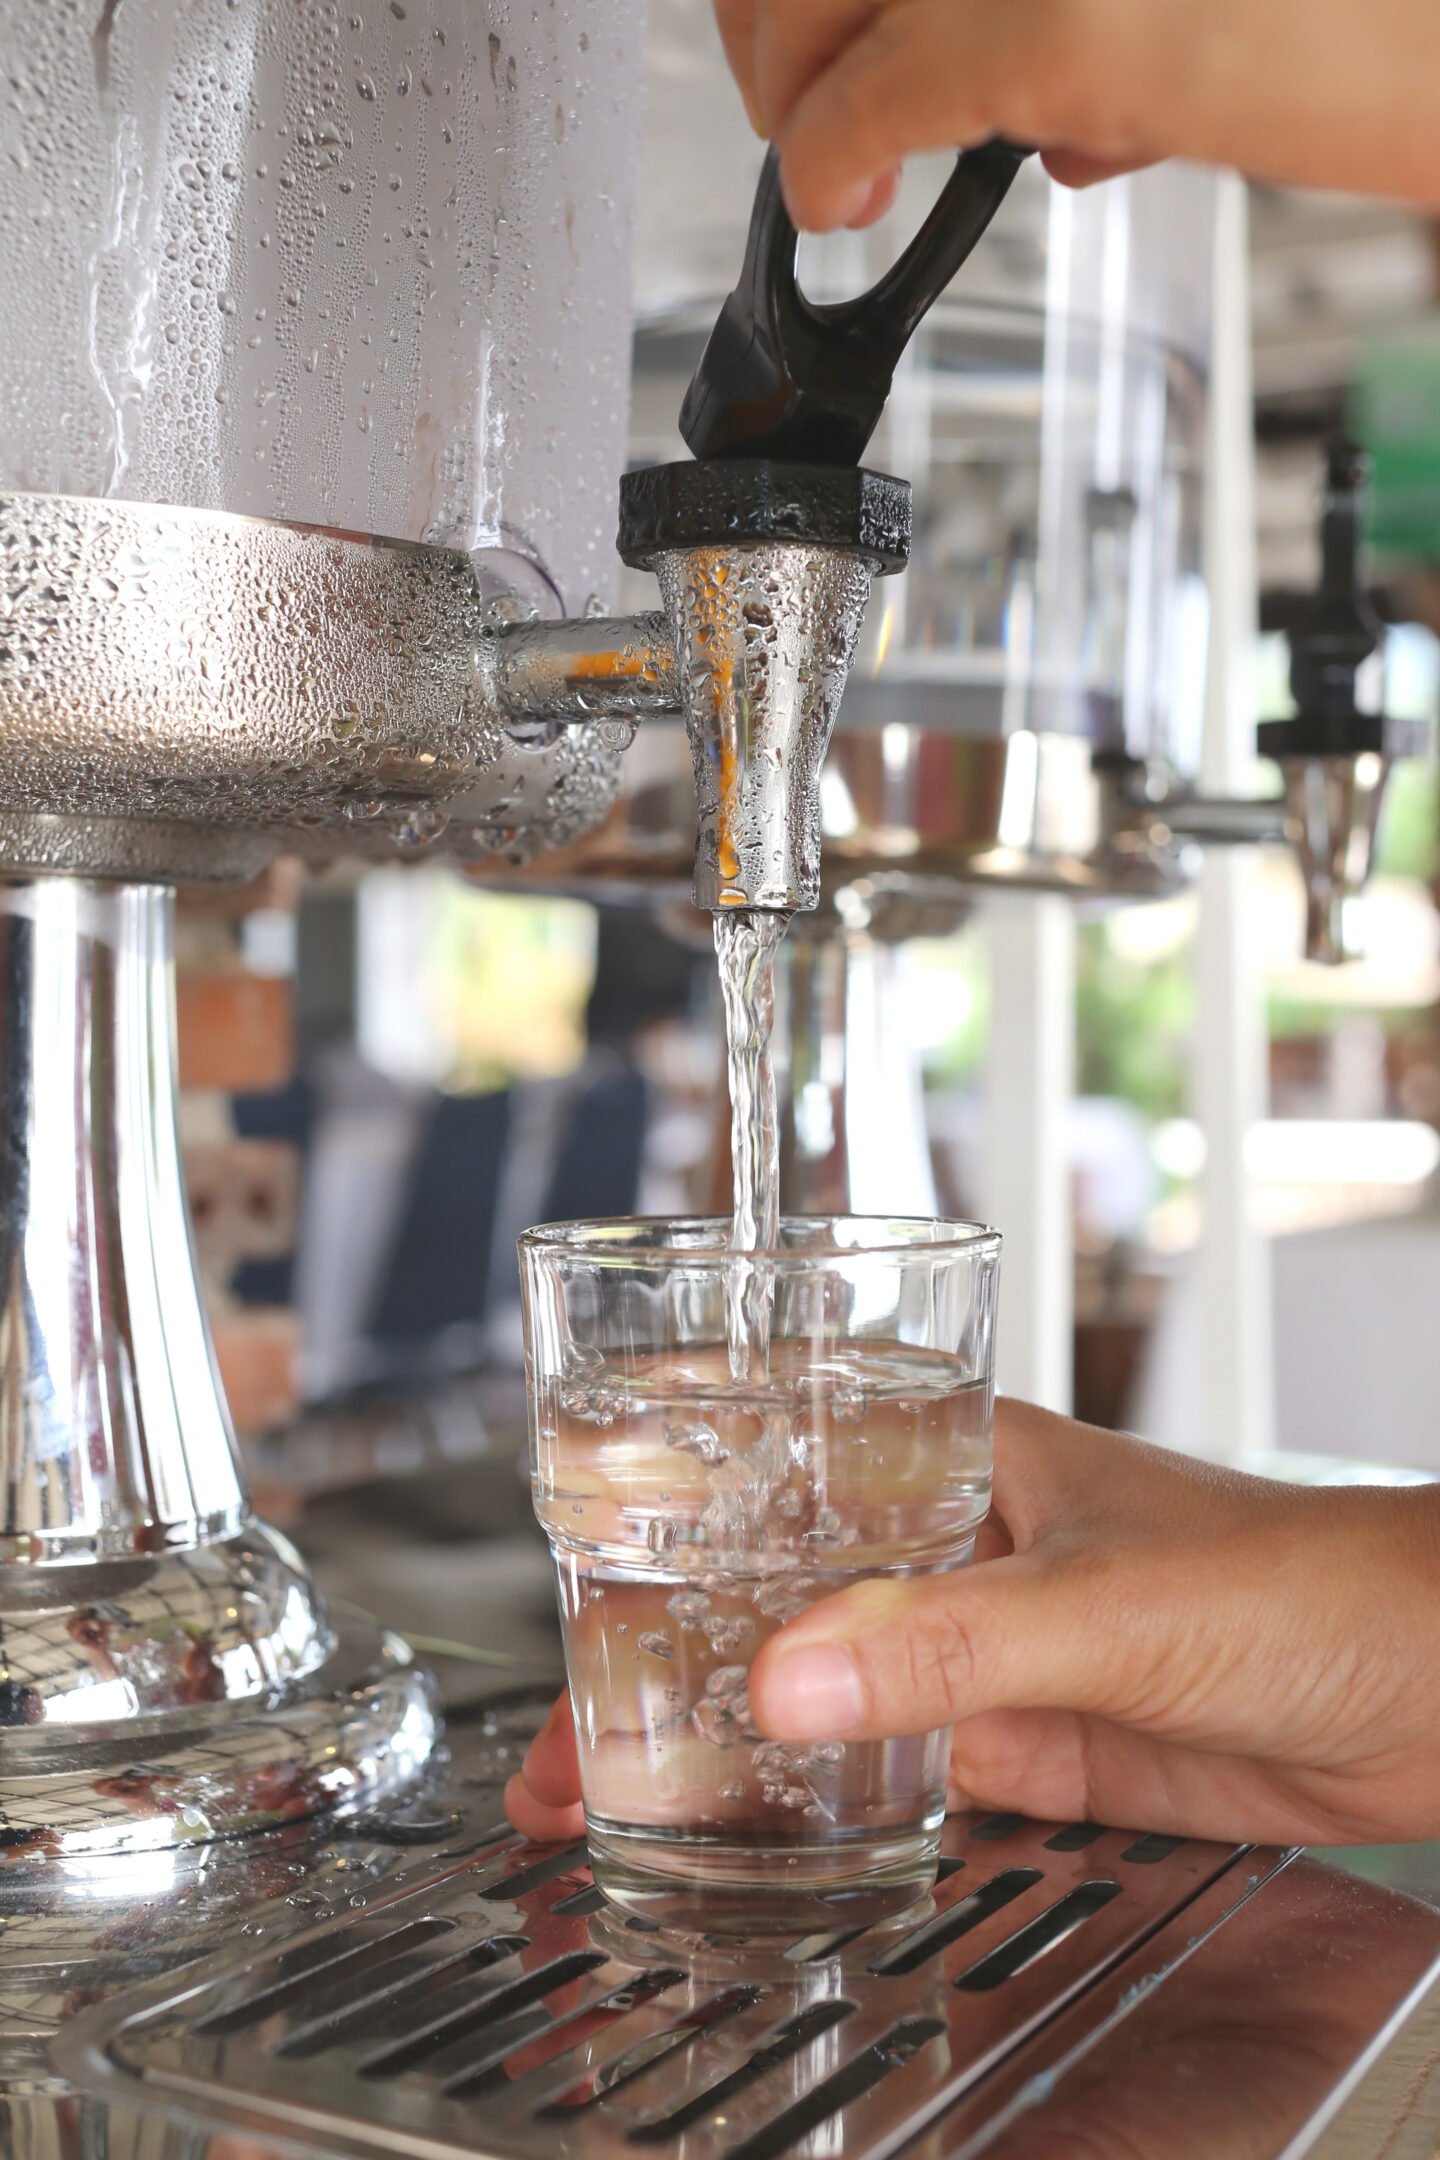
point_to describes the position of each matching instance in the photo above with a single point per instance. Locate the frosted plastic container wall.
(362, 263)
(1052, 412)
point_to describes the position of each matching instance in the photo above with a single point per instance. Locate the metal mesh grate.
(501, 2009)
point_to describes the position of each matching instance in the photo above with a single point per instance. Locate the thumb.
(884, 1659)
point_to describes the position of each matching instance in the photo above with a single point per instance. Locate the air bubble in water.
(658, 1645)
(780, 1597)
(689, 1607)
(826, 1528)
(715, 1724)
(730, 1680)
(591, 1405)
(661, 1535)
(700, 1440)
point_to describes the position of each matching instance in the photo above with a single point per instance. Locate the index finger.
(552, 1769)
(1048, 1469)
(794, 42)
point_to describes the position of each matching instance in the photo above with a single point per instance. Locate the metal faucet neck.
(764, 570)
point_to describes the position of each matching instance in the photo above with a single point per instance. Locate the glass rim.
(573, 1240)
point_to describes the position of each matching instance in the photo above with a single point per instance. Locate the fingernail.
(843, 208)
(852, 204)
(813, 1694)
(883, 195)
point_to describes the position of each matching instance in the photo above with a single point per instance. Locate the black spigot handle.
(1347, 473)
(787, 379)
(1340, 630)
(1335, 636)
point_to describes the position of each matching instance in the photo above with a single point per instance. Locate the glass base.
(714, 1886)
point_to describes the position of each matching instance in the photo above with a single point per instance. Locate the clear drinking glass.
(691, 1513)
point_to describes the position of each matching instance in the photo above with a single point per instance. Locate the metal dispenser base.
(167, 1670)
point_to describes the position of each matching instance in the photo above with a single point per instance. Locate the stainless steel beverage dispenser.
(363, 275)
(313, 371)
(314, 377)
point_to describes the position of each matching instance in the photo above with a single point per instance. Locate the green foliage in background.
(1409, 836)
(1133, 1022)
(1133, 1018)
(1294, 1019)
(507, 978)
(954, 1057)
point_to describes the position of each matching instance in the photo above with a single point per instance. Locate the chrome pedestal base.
(167, 1670)
(152, 1703)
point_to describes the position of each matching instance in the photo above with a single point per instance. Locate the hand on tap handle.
(1143, 1640)
(1335, 93)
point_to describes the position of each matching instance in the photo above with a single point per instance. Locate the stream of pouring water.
(745, 947)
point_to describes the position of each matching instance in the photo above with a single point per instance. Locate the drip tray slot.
(500, 2009)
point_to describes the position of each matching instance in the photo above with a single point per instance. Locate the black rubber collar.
(729, 502)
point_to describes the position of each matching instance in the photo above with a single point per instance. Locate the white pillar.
(1230, 1079)
(1024, 1171)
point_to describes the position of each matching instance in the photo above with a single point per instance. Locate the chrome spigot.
(1334, 758)
(766, 546)
(765, 570)
(1334, 808)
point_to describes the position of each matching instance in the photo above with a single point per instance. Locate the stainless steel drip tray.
(498, 2008)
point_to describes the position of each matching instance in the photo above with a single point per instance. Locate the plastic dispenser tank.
(313, 373)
